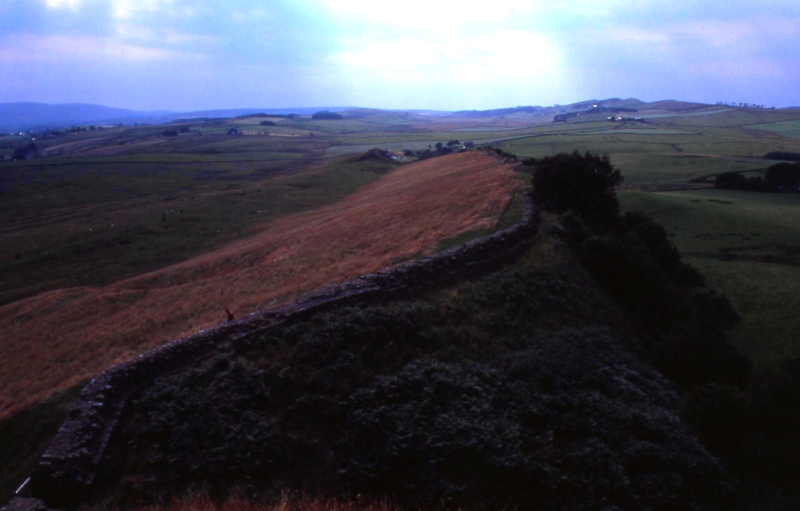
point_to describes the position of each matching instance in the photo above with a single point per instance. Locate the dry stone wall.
(67, 470)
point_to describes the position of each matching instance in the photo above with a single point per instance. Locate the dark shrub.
(583, 183)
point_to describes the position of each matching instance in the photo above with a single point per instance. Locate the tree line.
(781, 177)
(734, 104)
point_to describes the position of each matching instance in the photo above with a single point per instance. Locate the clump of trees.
(439, 149)
(325, 115)
(81, 129)
(27, 152)
(584, 183)
(738, 181)
(734, 104)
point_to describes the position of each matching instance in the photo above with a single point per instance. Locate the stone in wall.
(24, 504)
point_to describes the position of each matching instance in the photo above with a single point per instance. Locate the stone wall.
(67, 470)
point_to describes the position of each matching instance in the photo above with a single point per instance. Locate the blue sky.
(194, 54)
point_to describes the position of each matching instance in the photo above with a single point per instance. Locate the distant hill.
(39, 116)
(238, 112)
(672, 105)
(499, 111)
(630, 104)
(622, 103)
(24, 116)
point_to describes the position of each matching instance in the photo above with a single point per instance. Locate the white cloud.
(160, 36)
(590, 9)
(484, 70)
(439, 16)
(80, 49)
(63, 4)
(126, 9)
(474, 58)
(747, 68)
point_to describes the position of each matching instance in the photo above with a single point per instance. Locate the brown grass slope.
(55, 340)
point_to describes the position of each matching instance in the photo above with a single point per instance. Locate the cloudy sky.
(438, 54)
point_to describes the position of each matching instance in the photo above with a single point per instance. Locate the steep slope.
(60, 338)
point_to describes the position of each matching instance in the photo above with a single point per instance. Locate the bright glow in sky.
(439, 54)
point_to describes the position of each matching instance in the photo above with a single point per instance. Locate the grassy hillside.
(591, 373)
(80, 216)
(369, 229)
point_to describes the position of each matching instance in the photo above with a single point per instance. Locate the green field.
(98, 211)
(747, 244)
(790, 128)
